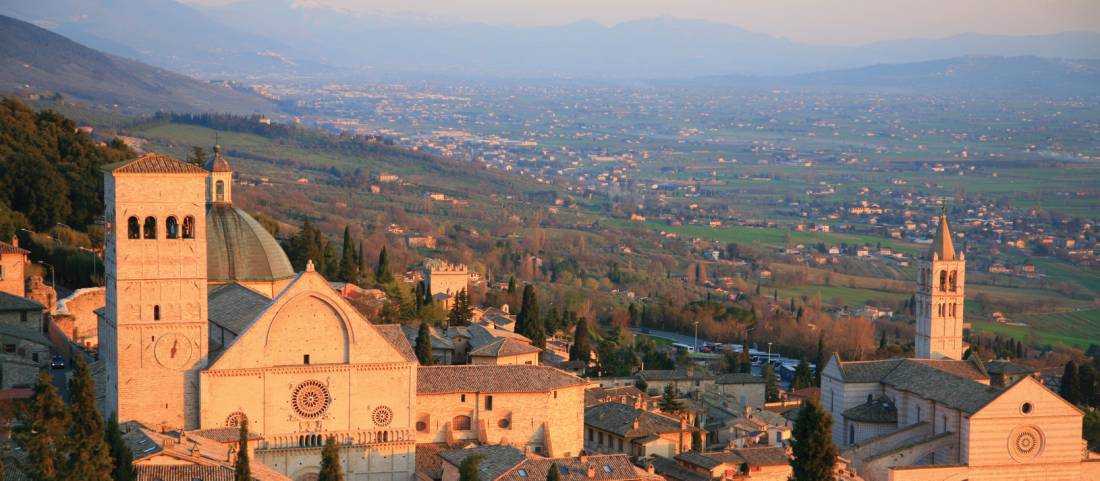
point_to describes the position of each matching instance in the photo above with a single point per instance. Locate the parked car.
(57, 362)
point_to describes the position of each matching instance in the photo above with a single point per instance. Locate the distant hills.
(43, 62)
(273, 37)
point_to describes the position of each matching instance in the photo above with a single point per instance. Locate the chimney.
(748, 411)
(650, 469)
(591, 472)
(583, 458)
(15, 240)
(635, 423)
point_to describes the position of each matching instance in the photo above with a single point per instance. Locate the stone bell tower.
(153, 333)
(941, 280)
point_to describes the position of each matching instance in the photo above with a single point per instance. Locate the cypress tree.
(89, 455)
(731, 362)
(802, 375)
(1086, 382)
(813, 448)
(198, 155)
(382, 271)
(242, 470)
(44, 440)
(553, 474)
(330, 462)
(512, 284)
(821, 359)
(1069, 389)
(746, 360)
(469, 469)
(424, 345)
(121, 457)
(668, 402)
(529, 310)
(359, 260)
(771, 385)
(348, 264)
(582, 343)
(536, 331)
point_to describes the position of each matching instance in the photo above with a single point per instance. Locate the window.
(620, 441)
(156, 313)
(504, 423)
(34, 356)
(462, 398)
(188, 227)
(460, 423)
(918, 414)
(488, 403)
(133, 228)
(851, 434)
(591, 434)
(219, 191)
(522, 473)
(1025, 408)
(421, 426)
(9, 348)
(305, 359)
(943, 281)
(778, 437)
(149, 231)
(172, 228)
(954, 281)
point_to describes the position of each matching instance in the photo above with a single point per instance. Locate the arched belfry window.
(188, 227)
(150, 229)
(943, 281)
(172, 228)
(133, 228)
(954, 281)
(219, 191)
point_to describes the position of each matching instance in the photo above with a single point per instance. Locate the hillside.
(38, 61)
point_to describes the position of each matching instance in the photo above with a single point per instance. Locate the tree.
(242, 469)
(668, 402)
(771, 384)
(1069, 390)
(424, 345)
(582, 343)
(330, 462)
(641, 385)
(802, 375)
(635, 315)
(89, 455)
(552, 473)
(731, 362)
(528, 311)
(746, 360)
(461, 311)
(382, 272)
(813, 448)
(349, 266)
(469, 469)
(536, 331)
(1091, 429)
(197, 156)
(121, 457)
(44, 439)
(1086, 384)
(821, 359)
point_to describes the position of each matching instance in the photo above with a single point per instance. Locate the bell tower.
(153, 333)
(941, 279)
(219, 185)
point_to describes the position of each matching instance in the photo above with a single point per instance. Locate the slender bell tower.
(941, 280)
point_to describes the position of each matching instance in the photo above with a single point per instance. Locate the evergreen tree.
(802, 375)
(536, 331)
(746, 359)
(45, 440)
(242, 469)
(512, 284)
(382, 273)
(697, 440)
(89, 455)
(582, 343)
(813, 448)
(462, 312)
(469, 469)
(668, 402)
(771, 384)
(635, 315)
(798, 316)
(528, 311)
(1069, 389)
(197, 156)
(731, 362)
(122, 459)
(821, 359)
(882, 341)
(349, 266)
(553, 474)
(1086, 382)
(424, 345)
(330, 462)
(360, 260)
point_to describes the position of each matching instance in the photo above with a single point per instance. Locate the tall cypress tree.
(89, 455)
(821, 359)
(330, 462)
(528, 311)
(424, 345)
(582, 343)
(382, 271)
(813, 448)
(746, 359)
(1069, 389)
(469, 469)
(731, 362)
(45, 440)
(802, 375)
(771, 385)
(668, 402)
(348, 265)
(121, 457)
(512, 284)
(242, 469)
(536, 331)
(553, 473)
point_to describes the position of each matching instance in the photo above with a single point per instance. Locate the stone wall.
(76, 316)
(12, 268)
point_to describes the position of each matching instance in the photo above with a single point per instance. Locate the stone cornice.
(307, 369)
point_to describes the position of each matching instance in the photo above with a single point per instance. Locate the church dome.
(239, 249)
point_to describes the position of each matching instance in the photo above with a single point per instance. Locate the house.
(682, 380)
(756, 463)
(13, 262)
(189, 455)
(619, 428)
(506, 463)
(743, 388)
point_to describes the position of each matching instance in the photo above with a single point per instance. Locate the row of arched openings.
(137, 229)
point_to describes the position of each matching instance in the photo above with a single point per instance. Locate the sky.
(826, 22)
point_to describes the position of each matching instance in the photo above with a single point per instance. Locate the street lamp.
(696, 336)
(769, 353)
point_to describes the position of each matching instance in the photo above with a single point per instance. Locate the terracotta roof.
(392, 333)
(223, 435)
(600, 395)
(481, 378)
(495, 461)
(673, 471)
(6, 248)
(943, 247)
(428, 461)
(504, 347)
(153, 163)
(619, 419)
(507, 463)
(756, 456)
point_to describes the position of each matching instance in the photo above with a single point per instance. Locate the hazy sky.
(811, 21)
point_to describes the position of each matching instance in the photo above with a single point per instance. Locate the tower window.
(954, 281)
(305, 359)
(219, 191)
(133, 230)
(150, 229)
(188, 227)
(172, 228)
(943, 281)
(156, 313)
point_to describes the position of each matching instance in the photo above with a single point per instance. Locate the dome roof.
(239, 249)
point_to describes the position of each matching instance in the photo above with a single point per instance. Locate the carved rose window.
(234, 420)
(1025, 443)
(311, 399)
(382, 416)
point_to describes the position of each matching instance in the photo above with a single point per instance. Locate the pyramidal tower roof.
(942, 247)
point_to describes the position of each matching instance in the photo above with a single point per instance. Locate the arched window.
(150, 229)
(943, 281)
(460, 423)
(156, 313)
(219, 191)
(133, 230)
(188, 227)
(172, 228)
(954, 281)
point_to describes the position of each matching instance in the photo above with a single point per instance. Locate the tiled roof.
(619, 419)
(11, 302)
(217, 163)
(234, 306)
(428, 462)
(881, 410)
(392, 333)
(674, 374)
(941, 386)
(223, 435)
(709, 460)
(608, 467)
(764, 456)
(482, 378)
(495, 461)
(867, 371)
(6, 248)
(503, 346)
(599, 395)
(756, 456)
(439, 340)
(239, 248)
(738, 378)
(154, 163)
(25, 333)
(1008, 367)
(673, 471)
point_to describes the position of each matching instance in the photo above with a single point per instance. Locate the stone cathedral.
(206, 324)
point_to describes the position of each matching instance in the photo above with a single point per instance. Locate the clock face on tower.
(173, 351)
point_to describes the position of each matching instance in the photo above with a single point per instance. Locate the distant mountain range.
(43, 62)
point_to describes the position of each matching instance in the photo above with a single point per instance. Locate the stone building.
(76, 317)
(446, 280)
(746, 389)
(503, 463)
(619, 428)
(685, 380)
(13, 263)
(936, 417)
(757, 463)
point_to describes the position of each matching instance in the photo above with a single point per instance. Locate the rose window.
(382, 416)
(1025, 443)
(235, 420)
(311, 399)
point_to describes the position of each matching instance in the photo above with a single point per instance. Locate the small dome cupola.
(219, 184)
